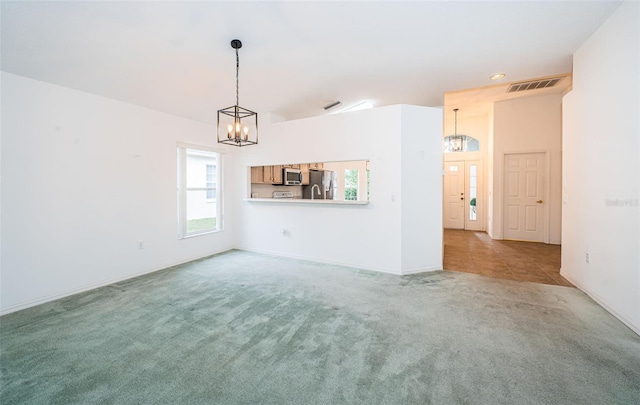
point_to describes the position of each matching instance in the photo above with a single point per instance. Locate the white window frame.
(213, 181)
(182, 189)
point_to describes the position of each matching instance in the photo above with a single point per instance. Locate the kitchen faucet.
(312, 188)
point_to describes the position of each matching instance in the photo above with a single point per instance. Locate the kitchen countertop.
(304, 201)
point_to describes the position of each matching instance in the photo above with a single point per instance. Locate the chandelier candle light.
(236, 125)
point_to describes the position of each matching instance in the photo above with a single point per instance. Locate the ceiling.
(296, 57)
(478, 101)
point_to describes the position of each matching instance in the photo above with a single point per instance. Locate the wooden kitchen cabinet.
(257, 174)
(272, 174)
(304, 169)
(277, 175)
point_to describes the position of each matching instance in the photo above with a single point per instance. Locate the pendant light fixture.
(236, 125)
(456, 140)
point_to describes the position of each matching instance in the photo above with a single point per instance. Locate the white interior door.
(524, 176)
(454, 206)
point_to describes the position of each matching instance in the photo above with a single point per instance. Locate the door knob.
(539, 201)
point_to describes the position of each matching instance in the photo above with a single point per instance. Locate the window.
(473, 191)
(211, 183)
(199, 202)
(351, 184)
(460, 143)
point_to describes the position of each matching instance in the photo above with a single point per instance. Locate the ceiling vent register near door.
(533, 85)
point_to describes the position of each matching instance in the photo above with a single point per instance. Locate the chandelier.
(456, 141)
(236, 125)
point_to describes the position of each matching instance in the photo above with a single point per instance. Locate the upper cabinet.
(273, 174)
(266, 174)
(257, 175)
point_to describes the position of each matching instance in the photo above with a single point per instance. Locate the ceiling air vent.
(536, 84)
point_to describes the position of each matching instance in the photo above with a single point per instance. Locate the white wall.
(84, 180)
(421, 160)
(490, 171)
(368, 236)
(600, 214)
(529, 124)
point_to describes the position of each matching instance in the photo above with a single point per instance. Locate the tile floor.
(476, 252)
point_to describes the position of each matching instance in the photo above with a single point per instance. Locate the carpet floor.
(244, 328)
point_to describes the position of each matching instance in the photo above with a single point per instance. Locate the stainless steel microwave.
(291, 177)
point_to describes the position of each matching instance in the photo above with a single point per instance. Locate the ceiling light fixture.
(236, 125)
(456, 141)
(498, 76)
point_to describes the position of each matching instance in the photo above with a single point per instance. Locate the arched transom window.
(460, 143)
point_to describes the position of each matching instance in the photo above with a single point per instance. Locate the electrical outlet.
(587, 258)
(140, 245)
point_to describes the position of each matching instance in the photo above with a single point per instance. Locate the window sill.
(193, 235)
(304, 201)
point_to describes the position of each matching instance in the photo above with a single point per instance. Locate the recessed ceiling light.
(498, 76)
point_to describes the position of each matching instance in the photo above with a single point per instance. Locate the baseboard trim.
(104, 283)
(422, 270)
(88, 287)
(602, 302)
(324, 261)
(342, 264)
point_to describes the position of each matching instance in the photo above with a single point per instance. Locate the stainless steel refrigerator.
(321, 184)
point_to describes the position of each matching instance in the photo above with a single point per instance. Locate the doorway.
(523, 200)
(475, 252)
(463, 195)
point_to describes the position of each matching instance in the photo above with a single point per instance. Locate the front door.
(454, 207)
(524, 175)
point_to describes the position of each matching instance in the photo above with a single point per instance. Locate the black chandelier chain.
(455, 131)
(237, 81)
